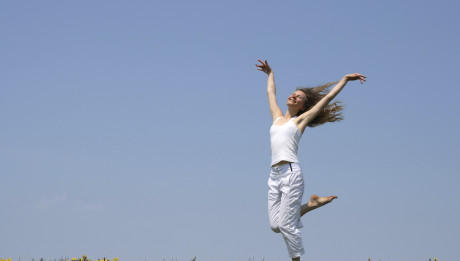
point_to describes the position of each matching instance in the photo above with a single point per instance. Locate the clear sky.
(140, 129)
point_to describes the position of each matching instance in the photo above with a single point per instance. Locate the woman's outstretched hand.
(264, 67)
(355, 76)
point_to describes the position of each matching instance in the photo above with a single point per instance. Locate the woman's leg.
(315, 202)
(292, 187)
(274, 201)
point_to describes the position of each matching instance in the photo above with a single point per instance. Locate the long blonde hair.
(331, 113)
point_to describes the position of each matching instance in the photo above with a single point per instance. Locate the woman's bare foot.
(315, 202)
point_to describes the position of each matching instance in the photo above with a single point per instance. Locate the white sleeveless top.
(284, 140)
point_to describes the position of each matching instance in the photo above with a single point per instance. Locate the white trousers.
(285, 191)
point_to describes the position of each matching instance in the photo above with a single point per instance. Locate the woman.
(306, 107)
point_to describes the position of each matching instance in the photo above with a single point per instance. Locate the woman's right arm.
(271, 90)
(305, 118)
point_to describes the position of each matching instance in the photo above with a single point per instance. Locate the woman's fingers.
(263, 66)
(262, 62)
(356, 76)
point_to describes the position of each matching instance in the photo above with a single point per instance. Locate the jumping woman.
(306, 107)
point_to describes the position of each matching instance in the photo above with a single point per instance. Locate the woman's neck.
(290, 114)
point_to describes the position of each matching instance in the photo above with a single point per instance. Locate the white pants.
(285, 191)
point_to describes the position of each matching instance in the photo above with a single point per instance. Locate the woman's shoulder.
(280, 121)
(277, 119)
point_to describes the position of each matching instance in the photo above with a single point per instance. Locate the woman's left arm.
(305, 118)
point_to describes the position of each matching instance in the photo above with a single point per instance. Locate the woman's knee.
(286, 228)
(275, 229)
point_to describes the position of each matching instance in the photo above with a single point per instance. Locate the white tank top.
(284, 140)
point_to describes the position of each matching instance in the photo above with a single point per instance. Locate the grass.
(84, 258)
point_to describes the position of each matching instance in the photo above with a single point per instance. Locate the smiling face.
(297, 100)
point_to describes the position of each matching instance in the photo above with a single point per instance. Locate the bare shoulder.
(302, 121)
(280, 120)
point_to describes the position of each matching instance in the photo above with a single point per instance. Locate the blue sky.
(140, 129)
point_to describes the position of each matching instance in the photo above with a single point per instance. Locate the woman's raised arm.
(271, 90)
(305, 118)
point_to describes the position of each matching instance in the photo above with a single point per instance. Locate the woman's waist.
(280, 158)
(284, 166)
(281, 163)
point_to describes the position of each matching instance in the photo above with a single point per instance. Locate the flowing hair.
(331, 113)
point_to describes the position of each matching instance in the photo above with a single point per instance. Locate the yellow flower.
(115, 259)
(74, 259)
